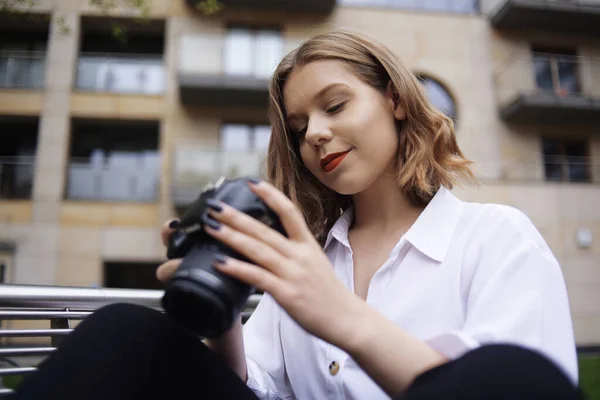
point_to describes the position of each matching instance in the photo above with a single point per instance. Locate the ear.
(394, 100)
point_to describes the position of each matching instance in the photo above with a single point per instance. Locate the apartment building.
(104, 138)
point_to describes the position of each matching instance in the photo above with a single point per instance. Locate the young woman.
(386, 286)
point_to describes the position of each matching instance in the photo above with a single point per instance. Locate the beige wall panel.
(15, 211)
(116, 106)
(587, 330)
(20, 102)
(136, 244)
(98, 215)
(78, 270)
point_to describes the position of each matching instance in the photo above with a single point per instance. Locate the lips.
(331, 161)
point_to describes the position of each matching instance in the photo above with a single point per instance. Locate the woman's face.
(346, 128)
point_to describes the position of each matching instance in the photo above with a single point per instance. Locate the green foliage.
(11, 382)
(589, 376)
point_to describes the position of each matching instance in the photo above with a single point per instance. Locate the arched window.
(439, 96)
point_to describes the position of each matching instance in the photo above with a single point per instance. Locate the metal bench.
(60, 306)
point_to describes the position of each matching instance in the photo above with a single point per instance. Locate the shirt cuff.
(453, 344)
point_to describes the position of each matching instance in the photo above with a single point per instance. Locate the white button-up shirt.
(465, 274)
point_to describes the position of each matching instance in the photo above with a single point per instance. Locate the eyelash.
(331, 110)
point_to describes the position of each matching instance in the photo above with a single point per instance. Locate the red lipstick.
(331, 161)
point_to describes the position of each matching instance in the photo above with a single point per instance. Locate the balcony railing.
(112, 182)
(16, 177)
(548, 168)
(23, 70)
(121, 73)
(567, 85)
(231, 69)
(60, 306)
(446, 6)
(193, 169)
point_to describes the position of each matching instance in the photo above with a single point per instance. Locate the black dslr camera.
(198, 295)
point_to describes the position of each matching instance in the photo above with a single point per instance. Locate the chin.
(345, 185)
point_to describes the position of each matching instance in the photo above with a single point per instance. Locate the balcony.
(121, 73)
(549, 88)
(557, 16)
(195, 168)
(318, 6)
(22, 70)
(135, 181)
(16, 177)
(230, 70)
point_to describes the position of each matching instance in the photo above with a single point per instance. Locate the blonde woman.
(387, 286)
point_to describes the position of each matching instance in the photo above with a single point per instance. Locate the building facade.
(106, 136)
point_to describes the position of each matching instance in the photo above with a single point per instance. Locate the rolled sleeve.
(264, 355)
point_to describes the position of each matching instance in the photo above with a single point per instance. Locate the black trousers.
(131, 352)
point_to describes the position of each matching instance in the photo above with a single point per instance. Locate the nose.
(317, 132)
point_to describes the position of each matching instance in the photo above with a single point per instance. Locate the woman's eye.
(335, 108)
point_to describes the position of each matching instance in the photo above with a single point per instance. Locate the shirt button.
(334, 368)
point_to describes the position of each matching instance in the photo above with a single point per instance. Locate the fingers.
(166, 270)
(249, 273)
(290, 216)
(254, 249)
(167, 229)
(250, 226)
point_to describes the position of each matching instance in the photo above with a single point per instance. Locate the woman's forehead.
(306, 82)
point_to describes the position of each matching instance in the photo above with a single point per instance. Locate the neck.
(383, 207)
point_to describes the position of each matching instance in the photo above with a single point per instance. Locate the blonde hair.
(428, 154)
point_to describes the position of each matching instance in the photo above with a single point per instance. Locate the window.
(114, 161)
(238, 137)
(131, 275)
(22, 61)
(243, 150)
(131, 64)
(452, 6)
(439, 96)
(556, 71)
(17, 156)
(566, 160)
(250, 52)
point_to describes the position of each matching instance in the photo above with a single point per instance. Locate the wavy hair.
(428, 153)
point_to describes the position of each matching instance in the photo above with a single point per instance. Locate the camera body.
(199, 296)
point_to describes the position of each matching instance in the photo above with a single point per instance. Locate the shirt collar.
(431, 233)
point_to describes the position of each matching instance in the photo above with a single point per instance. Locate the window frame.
(563, 158)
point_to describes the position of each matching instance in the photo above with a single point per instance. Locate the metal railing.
(559, 75)
(19, 69)
(60, 306)
(16, 177)
(121, 73)
(137, 183)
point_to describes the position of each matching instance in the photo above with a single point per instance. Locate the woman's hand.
(166, 270)
(294, 270)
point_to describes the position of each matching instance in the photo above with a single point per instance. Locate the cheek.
(308, 158)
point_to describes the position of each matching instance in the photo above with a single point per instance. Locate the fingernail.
(221, 259)
(174, 224)
(254, 181)
(214, 205)
(208, 220)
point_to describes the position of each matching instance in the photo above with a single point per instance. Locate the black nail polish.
(221, 259)
(174, 224)
(214, 205)
(208, 220)
(254, 181)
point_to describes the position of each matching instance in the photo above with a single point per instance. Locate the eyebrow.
(320, 93)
